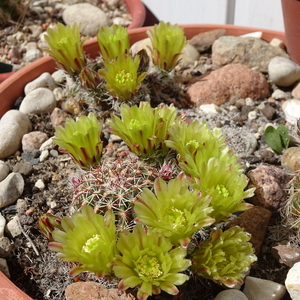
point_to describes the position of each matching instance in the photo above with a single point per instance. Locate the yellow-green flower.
(167, 43)
(173, 210)
(88, 239)
(148, 261)
(225, 257)
(82, 140)
(144, 129)
(113, 41)
(66, 47)
(203, 155)
(122, 77)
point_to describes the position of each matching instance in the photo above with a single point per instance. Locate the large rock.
(204, 40)
(254, 221)
(231, 82)
(250, 51)
(13, 125)
(89, 16)
(270, 183)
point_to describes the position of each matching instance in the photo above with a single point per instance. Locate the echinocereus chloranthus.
(195, 144)
(204, 155)
(226, 185)
(167, 43)
(89, 79)
(81, 139)
(225, 257)
(47, 224)
(173, 209)
(88, 239)
(144, 129)
(148, 261)
(122, 77)
(113, 41)
(66, 47)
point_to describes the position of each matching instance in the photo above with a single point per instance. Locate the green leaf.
(273, 139)
(284, 135)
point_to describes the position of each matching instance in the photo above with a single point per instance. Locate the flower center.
(63, 40)
(123, 78)
(177, 217)
(148, 266)
(222, 190)
(193, 143)
(91, 244)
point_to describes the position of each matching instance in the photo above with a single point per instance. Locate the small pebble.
(290, 159)
(291, 109)
(13, 227)
(44, 155)
(40, 184)
(44, 80)
(4, 267)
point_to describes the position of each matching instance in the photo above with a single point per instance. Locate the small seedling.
(277, 138)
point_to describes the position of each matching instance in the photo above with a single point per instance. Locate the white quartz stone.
(292, 281)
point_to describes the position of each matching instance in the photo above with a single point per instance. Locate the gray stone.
(232, 294)
(256, 288)
(2, 225)
(89, 16)
(5, 247)
(11, 188)
(252, 52)
(40, 100)
(5, 270)
(4, 170)
(283, 71)
(13, 125)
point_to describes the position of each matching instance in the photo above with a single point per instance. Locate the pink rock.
(94, 291)
(255, 221)
(58, 117)
(33, 140)
(286, 254)
(231, 82)
(270, 183)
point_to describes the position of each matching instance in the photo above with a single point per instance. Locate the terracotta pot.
(13, 87)
(138, 12)
(291, 18)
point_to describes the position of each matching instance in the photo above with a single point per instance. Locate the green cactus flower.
(89, 79)
(167, 43)
(66, 47)
(82, 140)
(144, 129)
(122, 77)
(173, 210)
(148, 261)
(225, 257)
(203, 155)
(88, 239)
(113, 41)
(47, 224)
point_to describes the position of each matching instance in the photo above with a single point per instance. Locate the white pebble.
(252, 115)
(40, 100)
(59, 76)
(249, 102)
(44, 80)
(40, 184)
(209, 108)
(277, 43)
(283, 71)
(48, 145)
(256, 288)
(13, 125)
(32, 55)
(279, 94)
(44, 155)
(292, 281)
(291, 109)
